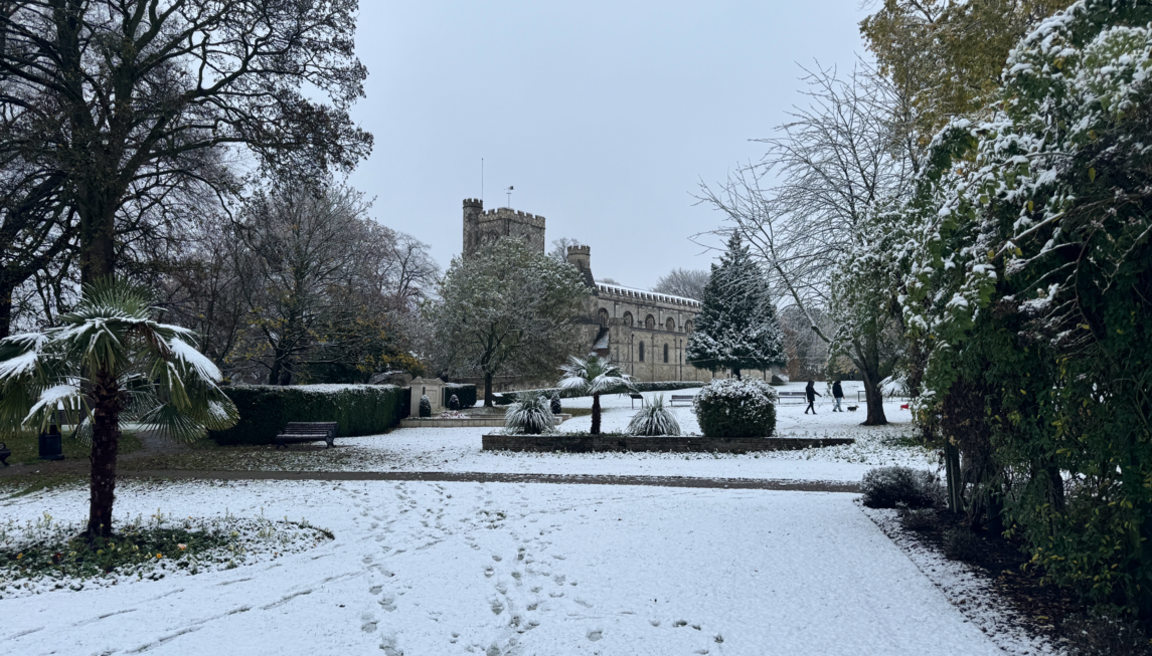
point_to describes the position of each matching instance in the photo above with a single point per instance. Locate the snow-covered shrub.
(889, 487)
(453, 402)
(530, 416)
(463, 391)
(917, 519)
(736, 408)
(556, 409)
(425, 407)
(654, 419)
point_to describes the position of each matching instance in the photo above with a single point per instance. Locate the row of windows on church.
(649, 322)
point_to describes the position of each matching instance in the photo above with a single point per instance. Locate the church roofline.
(647, 295)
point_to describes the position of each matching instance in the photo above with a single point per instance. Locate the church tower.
(482, 227)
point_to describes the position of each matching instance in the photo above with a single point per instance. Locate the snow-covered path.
(467, 568)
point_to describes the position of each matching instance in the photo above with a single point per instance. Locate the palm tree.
(106, 361)
(594, 375)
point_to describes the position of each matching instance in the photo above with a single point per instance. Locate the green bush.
(466, 394)
(663, 386)
(892, 487)
(736, 408)
(356, 409)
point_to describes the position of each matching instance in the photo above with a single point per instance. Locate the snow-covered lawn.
(458, 449)
(465, 568)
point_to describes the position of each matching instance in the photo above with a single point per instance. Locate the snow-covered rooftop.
(647, 295)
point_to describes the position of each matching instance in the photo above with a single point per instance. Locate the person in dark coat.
(837, 395)
(811, 392)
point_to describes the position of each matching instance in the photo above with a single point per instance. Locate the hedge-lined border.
(356, 409)
(665, 386)
(465, 393)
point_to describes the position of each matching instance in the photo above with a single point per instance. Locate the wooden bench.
(787, 396)
(686, 399)
(300, 431)
(636, 396)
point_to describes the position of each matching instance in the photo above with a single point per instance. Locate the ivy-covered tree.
(737, 327)
(505, 311)
(1029, 291)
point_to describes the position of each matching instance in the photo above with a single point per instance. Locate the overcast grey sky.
(603, 115)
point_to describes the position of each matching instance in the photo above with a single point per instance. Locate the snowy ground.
(465, 568)
(458, 449)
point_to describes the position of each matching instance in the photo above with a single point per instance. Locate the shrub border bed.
(570, 443)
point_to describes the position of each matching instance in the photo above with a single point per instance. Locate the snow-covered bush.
(453, 402)
(736, 408)
(530, 416)
(654, 419)
(889, 487)
(556, 409)
(425, 407)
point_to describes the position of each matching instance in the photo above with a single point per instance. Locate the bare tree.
(688, 283)
(808, 209)
(121, 93)
(560, 246)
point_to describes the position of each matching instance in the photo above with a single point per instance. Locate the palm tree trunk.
(105, 443)
(595, 414)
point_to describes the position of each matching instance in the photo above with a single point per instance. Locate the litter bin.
(52, 444)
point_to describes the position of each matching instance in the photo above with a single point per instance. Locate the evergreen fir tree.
(737, 327)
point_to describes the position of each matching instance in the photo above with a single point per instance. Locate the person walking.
(811, 392)
(837, 395)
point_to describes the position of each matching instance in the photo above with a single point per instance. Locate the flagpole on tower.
(509, 192)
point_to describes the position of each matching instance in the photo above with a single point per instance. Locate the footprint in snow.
(595, 634)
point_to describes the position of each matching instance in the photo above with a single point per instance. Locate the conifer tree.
(737, 327)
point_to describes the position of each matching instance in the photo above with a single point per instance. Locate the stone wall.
(597, 443)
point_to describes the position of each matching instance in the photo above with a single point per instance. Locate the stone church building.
(645, 332)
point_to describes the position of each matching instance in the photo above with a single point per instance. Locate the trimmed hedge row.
(465, 393)
(356, 409)
(664, 386)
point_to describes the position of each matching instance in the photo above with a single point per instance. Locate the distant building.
(645, 332)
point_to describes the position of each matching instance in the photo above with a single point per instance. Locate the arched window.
(641, 351)
(602, 317)
(666, 352)
(688, 326)
(670, 325)
(628, 319)
(650, 322)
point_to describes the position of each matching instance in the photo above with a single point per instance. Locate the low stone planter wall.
(494, 421)
(593, 443)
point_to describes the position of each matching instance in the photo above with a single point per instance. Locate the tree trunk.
(105, 443)
(736, 373)
(874, 399)
(5, 310)
(953, 477)
(595, 414)
(489, 398)
(97, 241)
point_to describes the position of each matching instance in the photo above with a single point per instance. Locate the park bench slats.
(685, 399)
(307, 431)
(799, 396)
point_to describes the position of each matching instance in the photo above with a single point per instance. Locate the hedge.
(465, 393)
(356, 409)
(664, 386)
